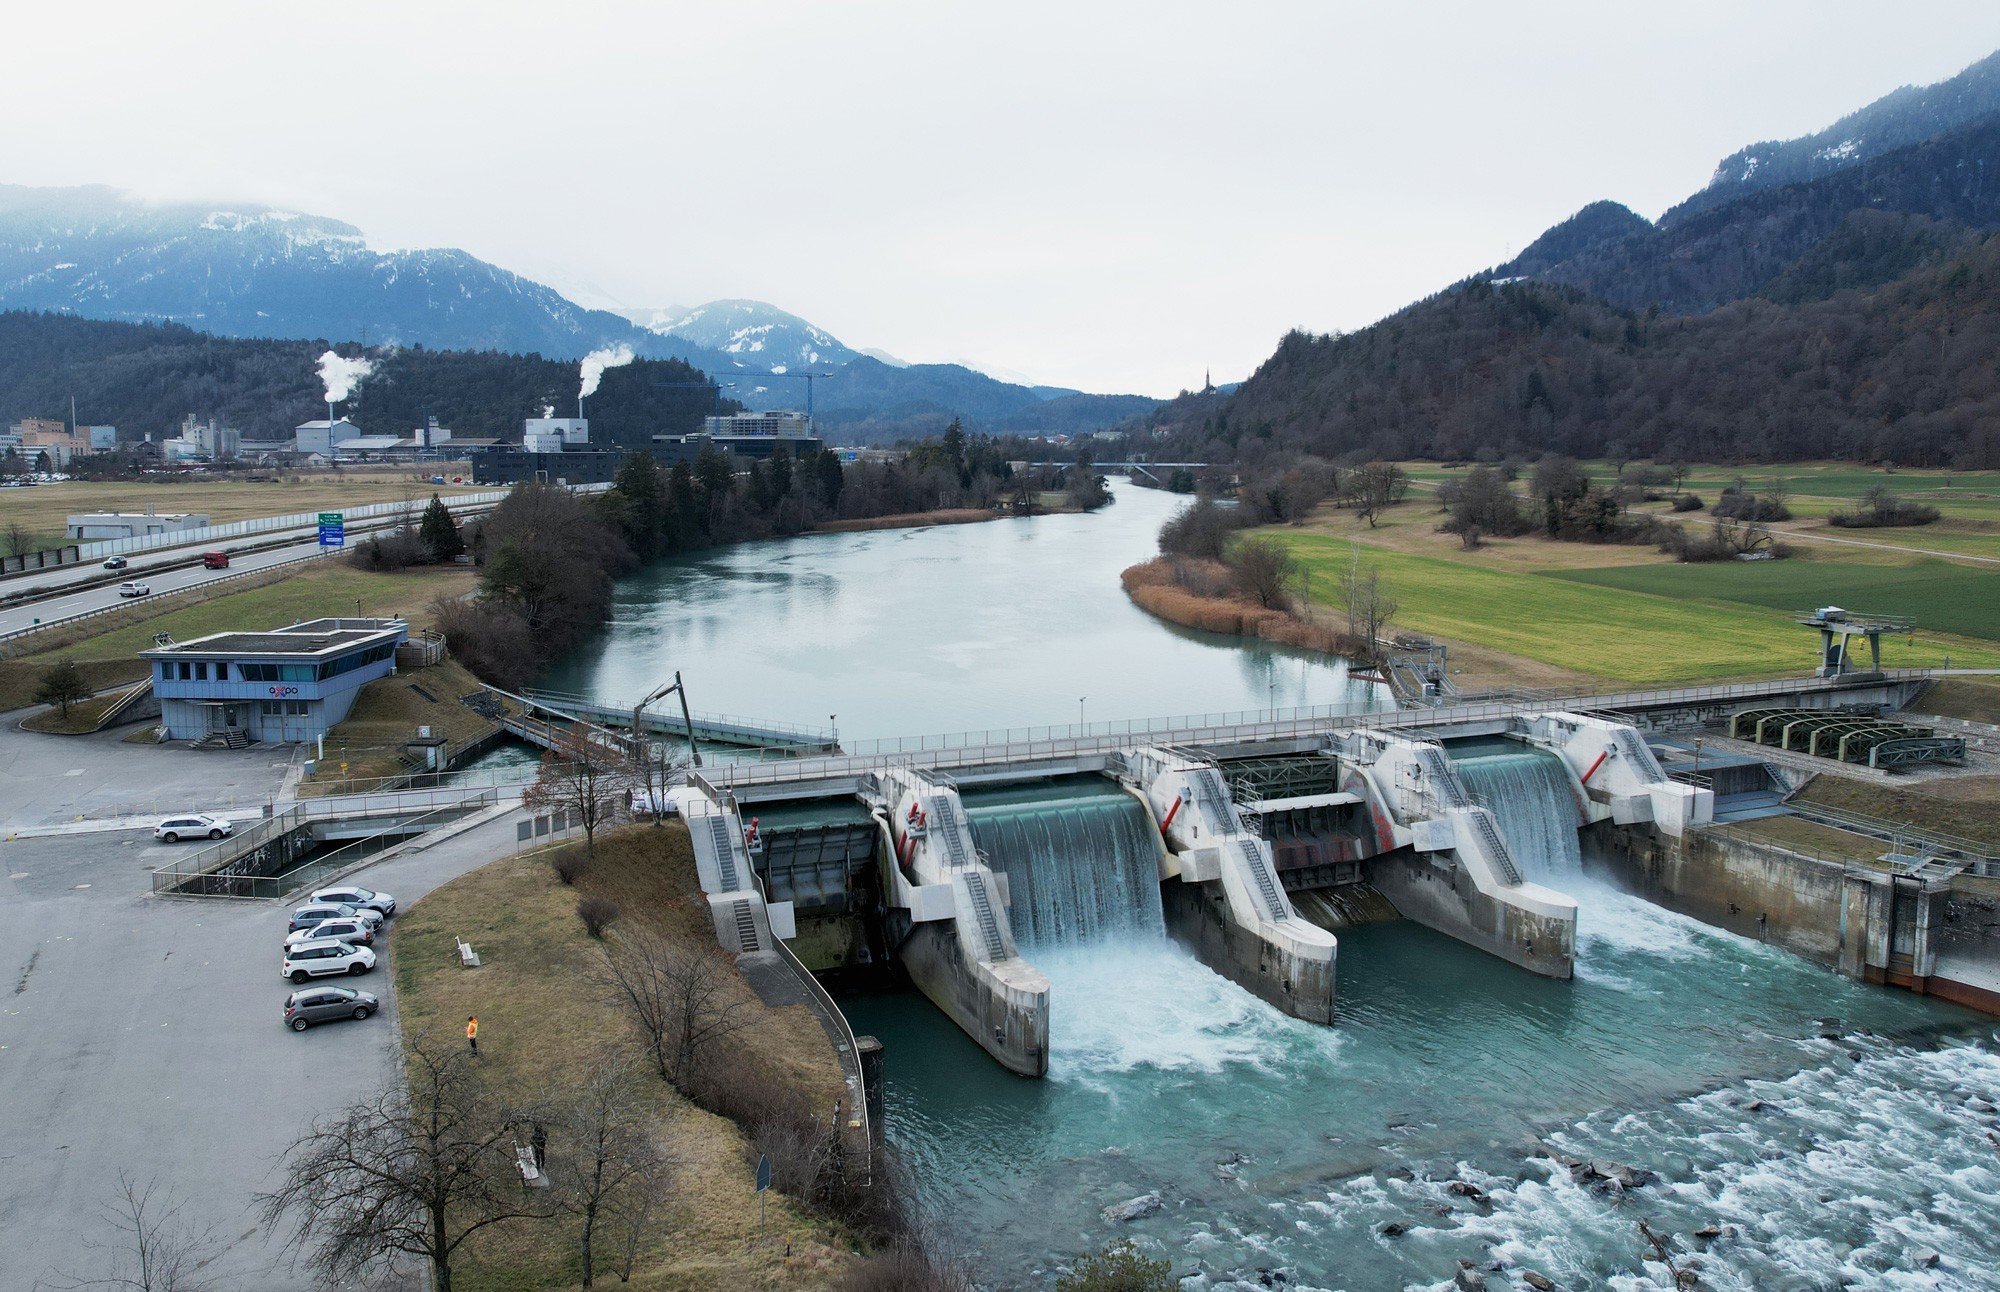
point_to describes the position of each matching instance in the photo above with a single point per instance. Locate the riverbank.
(548, 1021)
(908, 520)
(1188, 593)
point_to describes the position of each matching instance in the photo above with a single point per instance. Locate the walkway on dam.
(1054, 744)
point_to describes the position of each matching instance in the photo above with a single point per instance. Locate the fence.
(48, 560)
(147, 607)
(1027, 744)
(207, 873)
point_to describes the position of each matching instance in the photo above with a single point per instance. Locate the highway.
(48, 610)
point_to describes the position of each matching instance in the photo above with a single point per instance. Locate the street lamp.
(1079, 711)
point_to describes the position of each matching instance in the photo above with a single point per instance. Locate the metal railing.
(173, 596)
(205, 874)
(1898, 833)
(566, 700)
(266, 524)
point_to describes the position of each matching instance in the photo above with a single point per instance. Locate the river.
(1834, 1134)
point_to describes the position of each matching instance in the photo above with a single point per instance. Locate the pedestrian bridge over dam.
(960, 856)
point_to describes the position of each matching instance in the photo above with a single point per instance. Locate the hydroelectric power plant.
(959, 875)
(1720, 1028)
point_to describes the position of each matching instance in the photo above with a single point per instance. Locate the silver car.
(351, 929)
(319, 912)
(325, 1004)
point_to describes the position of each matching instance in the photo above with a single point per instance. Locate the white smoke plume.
(596, 362)
(340, 376)
(548, 411)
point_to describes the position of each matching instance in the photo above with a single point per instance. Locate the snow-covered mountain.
(246, 270)
(252, 271)
(755, 334)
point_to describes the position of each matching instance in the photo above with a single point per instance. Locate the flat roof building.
(286, 685)
(92, 526)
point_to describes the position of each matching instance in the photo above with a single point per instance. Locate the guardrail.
(167, 596)
(266, 524)
(1027, 744)
(205, 874)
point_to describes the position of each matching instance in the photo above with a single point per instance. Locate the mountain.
(255, 272)
(1842, 306)
(1906, 116)
(258, 272)
(751, 332)
(1727, 251)
(868, 401)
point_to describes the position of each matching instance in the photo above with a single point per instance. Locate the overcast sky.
(1109, 196)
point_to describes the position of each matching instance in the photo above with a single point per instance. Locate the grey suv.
(325, 1004)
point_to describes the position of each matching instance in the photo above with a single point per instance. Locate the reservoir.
(1828, 1133)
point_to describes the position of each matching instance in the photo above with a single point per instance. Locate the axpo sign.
(284, 690)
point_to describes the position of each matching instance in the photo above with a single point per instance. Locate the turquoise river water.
(1833, 1134)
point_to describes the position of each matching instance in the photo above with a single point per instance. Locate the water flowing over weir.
(1082, 862)
(1529, 791)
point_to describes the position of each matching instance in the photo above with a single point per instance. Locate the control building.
(288, 684)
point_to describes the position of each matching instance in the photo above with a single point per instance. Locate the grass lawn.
(1959, 697)
(1966, 806)
(1941, 596)
(110, 653)
(46, 508)
(387, 713)
(1606, 631)
(545, 1019)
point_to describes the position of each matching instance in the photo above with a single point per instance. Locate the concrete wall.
(1935, 939)
(1013, 1027)
(1435, 891)
(1198, 917)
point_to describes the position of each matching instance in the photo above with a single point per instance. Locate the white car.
(366, 898)
(134, 589)
(197, 825)
(320, 912)
(352, 929)
(323, 958)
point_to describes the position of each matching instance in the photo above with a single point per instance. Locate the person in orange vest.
(472, 1033)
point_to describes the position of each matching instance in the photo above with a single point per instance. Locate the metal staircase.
(725, 852)
(982, 913)
(746, 927)
(1260, 876)
(1496, 847)
(951, 830)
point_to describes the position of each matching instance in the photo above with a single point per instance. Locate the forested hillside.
(146, 377)
(1728, 252)
(1909, 372)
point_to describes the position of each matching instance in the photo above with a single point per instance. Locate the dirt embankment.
(909, 520)
(1197, 594)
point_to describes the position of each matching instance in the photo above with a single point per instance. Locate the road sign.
(763, 1183)
(332, 529)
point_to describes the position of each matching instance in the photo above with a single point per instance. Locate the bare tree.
(1369, 605)
(20, 537)
(155, 1251)
(415, 1177)
(614, 1169)
(584, 778)
(1265, 571)
(655, 769)
(677, 995)
(1683, 1278)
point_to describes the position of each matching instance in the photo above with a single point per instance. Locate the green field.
(1940, 596)
(1583, 620)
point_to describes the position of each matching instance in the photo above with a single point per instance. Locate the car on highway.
(115, 563)
(325, 1004)
(362, 897)
(323, 957)
(350, 928)
(215, 560)
(134, 588)
(199, 825)
(320, 912)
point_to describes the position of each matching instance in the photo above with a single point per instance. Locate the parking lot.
(145, 1034)
(50, 780)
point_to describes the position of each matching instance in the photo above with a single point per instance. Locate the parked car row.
(332, 935)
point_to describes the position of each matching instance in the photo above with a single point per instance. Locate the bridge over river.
(920, 848)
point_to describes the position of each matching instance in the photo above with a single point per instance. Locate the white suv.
(354, 929)
(200, 824)
(324, 957)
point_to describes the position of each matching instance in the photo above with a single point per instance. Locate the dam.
(1238, 838)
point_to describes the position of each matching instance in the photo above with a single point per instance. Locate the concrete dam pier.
(960, 876)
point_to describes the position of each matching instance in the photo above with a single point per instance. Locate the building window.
(258, 672)
(187, 671)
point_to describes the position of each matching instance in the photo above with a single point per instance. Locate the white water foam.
(1119, 1006)
(1847, 1174)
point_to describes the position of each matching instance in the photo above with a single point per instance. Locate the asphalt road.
(144, 1035)
(157, 569)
